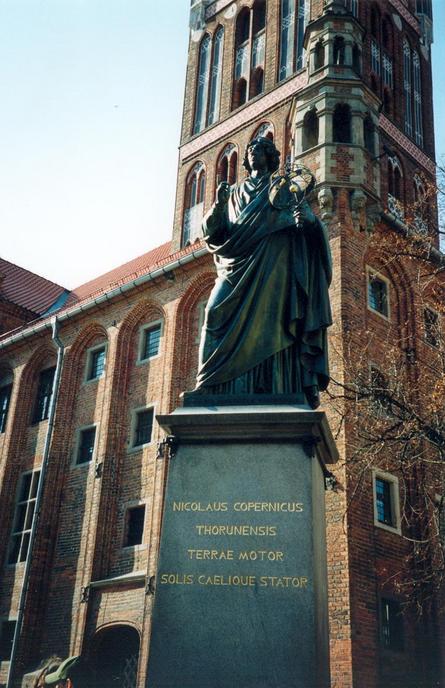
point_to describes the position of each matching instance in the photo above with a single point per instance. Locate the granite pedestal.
(241, 587)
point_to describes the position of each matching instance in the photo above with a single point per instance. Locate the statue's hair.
(272, 154)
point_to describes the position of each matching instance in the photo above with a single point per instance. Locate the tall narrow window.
(194, 204)
(85, 449)
(431, 323)
(23, 517)
(202, 84)
(258, 48)
(369, 135)
(352, 6)
(375, 57)
(339, 50)
(378, 300)
(7, 630)
(417, 94)
(310, 129)
(216, 77)
(356, 59)
(143, 425)
(227, 165)
(134, 530)
(5, 396)
(386, 501)
(150, 341)
(291, 37)
(242, 58)
(407, 88)
(387, 71)
(421, 217)
(319, 55)
(250, 45)
(395, 188)
(341, 124)
(44, 394)
(391, 624)
(96, 363)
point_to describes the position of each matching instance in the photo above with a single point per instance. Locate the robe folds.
(266, 318)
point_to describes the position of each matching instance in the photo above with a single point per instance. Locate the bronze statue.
(267, 315)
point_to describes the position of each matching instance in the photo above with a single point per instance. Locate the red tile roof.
(121, 274)
(26, 289)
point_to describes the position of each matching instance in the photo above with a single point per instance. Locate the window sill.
(143, 361)
(139, 448)
(396, 530)
(381, 315)
(94, 379)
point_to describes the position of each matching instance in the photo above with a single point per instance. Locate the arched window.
(227, 165)
(341, 124)
(310, 129)
(319, 55)
(114, 656)
(208, 87)
(265, 129)
(194, 204)
(258, 48)
(292, 27)
(369, 135)
(395, 188)
(407, 88)
(216, 76)
(202, 86)
(417, 94)
(339, 50)
(250, 44)
(6, 380)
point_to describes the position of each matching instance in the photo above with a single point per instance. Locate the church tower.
(343, 87)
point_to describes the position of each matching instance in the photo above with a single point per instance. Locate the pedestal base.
(241, 592)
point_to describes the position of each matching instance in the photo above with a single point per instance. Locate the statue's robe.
(266, 318)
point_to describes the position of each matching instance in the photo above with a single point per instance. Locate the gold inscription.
(260, 555)
(236, 530)
(210, 554)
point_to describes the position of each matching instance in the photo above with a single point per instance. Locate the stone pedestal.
(241, 587)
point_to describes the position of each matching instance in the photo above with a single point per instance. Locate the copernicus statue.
(266, 318)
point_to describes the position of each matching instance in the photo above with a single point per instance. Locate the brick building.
(345, 87)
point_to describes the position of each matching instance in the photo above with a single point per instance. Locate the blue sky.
(92, 95)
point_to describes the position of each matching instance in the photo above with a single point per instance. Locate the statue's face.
(256, 155)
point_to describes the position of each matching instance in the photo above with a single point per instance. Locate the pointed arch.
(195, 186)
(216, 69)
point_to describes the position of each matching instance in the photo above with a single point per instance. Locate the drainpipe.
(43, 470)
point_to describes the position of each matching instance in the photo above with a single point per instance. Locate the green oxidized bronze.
(267, 315)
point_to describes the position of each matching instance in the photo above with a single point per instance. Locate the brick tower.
(343, 87)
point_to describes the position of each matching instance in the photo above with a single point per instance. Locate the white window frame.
(395, 500)
(370, 272)
(144, 328)
(79, 431)
(126, 507)
(89, 355)
(131, 449)
(12, 532)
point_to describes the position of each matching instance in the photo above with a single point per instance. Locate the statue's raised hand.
(222, 193)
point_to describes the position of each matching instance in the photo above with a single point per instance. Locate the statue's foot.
(312, 396)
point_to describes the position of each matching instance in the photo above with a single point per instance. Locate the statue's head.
(268, 147)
